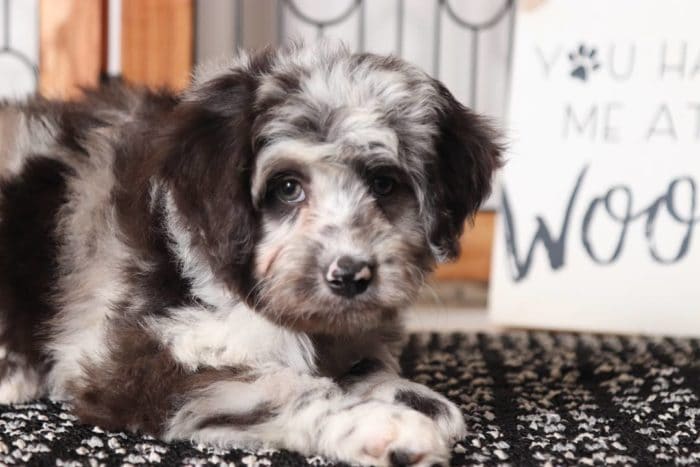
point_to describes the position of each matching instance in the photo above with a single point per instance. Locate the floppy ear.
(207, 165)
(467, 154)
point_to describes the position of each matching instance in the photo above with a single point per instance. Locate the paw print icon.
(583, 62)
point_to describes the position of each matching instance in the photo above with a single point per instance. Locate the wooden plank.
(474, 264)
(70, 46)
(157, 42)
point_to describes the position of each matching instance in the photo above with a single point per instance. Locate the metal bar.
(399, 27)
(495, 19)
(239, 23)
(6, 20)
(7, 50)
(325, 23)
(280, 21)
(35, 64)
(21, 58)
(436, 42)
(509, 57)
(474, 69)
(361, 28)
(114, 37)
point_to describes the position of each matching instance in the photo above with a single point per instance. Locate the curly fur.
(150, 273)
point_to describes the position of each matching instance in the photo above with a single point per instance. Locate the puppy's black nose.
(348, 276)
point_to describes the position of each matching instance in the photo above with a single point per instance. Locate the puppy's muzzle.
(348, 276)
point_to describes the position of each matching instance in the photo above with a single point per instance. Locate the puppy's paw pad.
(388, 435)
(376, 447)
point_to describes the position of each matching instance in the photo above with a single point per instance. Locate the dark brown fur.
(29, 204)
(427, 405)
(468, 153)
(141, 384)
(207, 161)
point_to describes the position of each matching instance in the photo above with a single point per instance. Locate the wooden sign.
(600, 205)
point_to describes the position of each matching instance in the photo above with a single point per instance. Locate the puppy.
(227, 265)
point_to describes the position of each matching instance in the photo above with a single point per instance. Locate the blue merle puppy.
(227, 265)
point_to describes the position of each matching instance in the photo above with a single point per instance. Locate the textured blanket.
(528, 398)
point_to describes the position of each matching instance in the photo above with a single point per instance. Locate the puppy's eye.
(382, 185)
(289, 190)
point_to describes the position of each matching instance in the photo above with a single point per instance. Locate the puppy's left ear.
(468, 152)
(207, 162)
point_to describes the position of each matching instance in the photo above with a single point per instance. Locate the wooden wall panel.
(157, 42)
(70, 46)
(475, 262)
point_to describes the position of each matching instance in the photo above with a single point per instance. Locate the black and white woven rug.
(528, 399)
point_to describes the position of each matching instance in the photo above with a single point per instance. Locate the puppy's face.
(336, 181)
(342, 241)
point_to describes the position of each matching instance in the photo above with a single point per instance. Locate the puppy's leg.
(19, 380)
(22, 371)
(371, 378)
(311, 415)
(141, 387)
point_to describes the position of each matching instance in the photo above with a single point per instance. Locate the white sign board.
(600, 222)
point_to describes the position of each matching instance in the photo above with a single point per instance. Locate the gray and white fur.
(228, 264)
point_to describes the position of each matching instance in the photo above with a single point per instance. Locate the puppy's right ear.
(207, 165)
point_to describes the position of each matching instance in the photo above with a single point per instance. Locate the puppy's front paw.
(376, 433)
(446, 415)
(443, 412)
